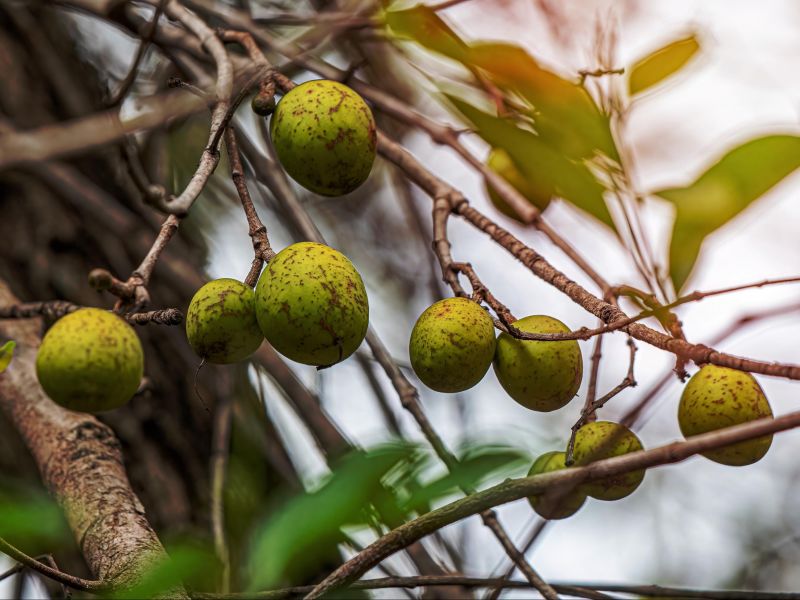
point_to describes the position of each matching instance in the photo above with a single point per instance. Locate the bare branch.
(257, 231)
(55, 309)
(144, 44)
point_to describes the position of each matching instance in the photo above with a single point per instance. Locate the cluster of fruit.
(453, 344)
(310, 303)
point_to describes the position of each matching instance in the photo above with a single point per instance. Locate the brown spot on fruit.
(90, 360)
(325, 137)
(452, 345)
(540, 375)
(311, 304)
(709, 402)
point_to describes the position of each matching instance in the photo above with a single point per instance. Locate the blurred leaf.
(475, 467)
(425, 27)
(309, 525)
(258, 468)
(544, 167)
(662, 63)
(186, 140)
(564, 113)
(722, 192)
(6, 354)
(32, 520)
(184, 562)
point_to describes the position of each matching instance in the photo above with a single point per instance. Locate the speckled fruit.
(560, 504)
(311, 304)
(541, 376)
(604, 439)
(537, 193)
(221, 322)
(325, 137)
(90, 360)
(452, 345)
(718, 397)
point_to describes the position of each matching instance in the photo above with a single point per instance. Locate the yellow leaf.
(662, 63)
(6, 352)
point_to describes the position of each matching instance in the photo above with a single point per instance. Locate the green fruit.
(718, 397)
(541, 376)
(311, 304)
(559, 504)
(263, 104)
(221, 322)
(452, 345)
(325, 137)
(91, 361)
(604, 439)
(537, 193)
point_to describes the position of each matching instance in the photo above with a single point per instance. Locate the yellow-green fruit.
(452, 345)
(718, 397)
(90, 360)
(559, 504)
(540, 375)
(325, 137)
(221, 322)
(604, 439)
(537, 193)
(311, 304)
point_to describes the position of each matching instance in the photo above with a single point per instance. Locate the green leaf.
(542, 165)
(662, 63)
(474, 468)
(308, 526)
(6, 354)
(35, 519)
(183, 563)
(427, 28)
(722, 192)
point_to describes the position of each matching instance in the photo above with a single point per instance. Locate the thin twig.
(220, 447)
(258, 232)
(224, 90)
(77, 583)
(597, 355)
(590, 409)
(537, 530)
(55, 309)
(634, 414)
(144, 43)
